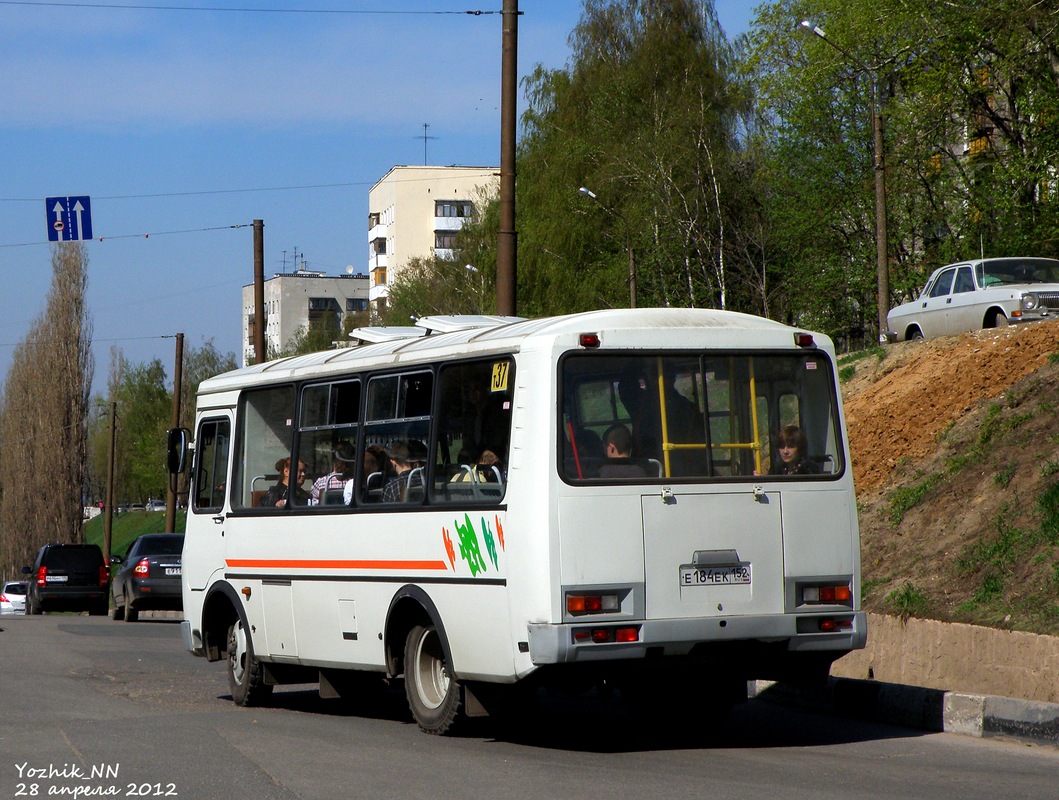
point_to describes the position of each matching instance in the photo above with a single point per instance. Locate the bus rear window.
(715, 416)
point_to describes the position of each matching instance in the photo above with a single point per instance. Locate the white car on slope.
(983, 293)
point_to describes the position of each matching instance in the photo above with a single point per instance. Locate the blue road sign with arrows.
(69, 218)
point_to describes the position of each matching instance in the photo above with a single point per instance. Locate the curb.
(933, 710)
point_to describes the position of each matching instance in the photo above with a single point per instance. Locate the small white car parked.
(983, 293)
(13, 598)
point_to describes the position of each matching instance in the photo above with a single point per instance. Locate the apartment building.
(296, 300)
(417, 211)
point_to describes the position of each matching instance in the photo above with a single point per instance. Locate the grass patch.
(1003, 478)
(908, 601)
(869, 586)
(906, 498)
(846, 373)
(128, 526)
(992, 587)
(859, 355)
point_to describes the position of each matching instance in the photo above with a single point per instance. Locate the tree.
(646, 116)
(45, 404)
(968, 95)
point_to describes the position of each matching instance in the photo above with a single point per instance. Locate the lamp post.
(628, 241)
(881, 262)
(480, 294)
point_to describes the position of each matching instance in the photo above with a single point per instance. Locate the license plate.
(56, 578)
(172, 570)
(727, 575)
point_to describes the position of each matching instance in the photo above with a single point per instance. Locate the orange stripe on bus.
(267, 563)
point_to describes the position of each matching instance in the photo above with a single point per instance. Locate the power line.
(486, 172)
(244, 10)
(140, 235)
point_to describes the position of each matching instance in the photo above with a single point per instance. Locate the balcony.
(448, 223)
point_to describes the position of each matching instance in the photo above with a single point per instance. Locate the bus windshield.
(715, 416)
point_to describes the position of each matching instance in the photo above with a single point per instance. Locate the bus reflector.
(589, 340)
(627, 635)
(832, 625)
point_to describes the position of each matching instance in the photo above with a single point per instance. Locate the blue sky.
(182, 124)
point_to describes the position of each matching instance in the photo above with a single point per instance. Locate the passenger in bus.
(376, 471)
(485, 423)
(396, 490)
(792, 447)
(330, 488)
(617, 441)
(276, 496)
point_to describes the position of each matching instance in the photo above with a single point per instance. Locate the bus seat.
(332, 497)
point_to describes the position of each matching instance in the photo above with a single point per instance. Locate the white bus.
(598, 498)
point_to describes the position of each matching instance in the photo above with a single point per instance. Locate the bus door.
(206, 522)
(712, 553)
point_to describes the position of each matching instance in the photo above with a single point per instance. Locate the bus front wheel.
(434, 697)
(245, 673)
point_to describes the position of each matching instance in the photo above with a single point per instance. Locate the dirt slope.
(961, 434)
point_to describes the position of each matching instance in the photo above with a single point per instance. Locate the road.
(79, 693)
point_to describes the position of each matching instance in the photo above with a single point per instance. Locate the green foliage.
(846, 373)
(969, 99)
(908, 601)
(646, 116)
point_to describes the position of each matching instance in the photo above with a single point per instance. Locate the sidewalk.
(939, 676)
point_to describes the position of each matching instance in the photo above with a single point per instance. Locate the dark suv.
(68, 577)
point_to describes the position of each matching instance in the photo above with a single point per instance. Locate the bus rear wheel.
(434, 697)
(245, 673)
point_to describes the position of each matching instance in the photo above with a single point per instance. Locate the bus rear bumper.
(557, 644)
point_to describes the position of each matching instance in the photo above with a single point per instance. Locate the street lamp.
(881, 263)
(473, 270)
(628, 241)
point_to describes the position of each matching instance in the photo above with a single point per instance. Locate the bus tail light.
(828, 594)
(579, 604)
(803, 339)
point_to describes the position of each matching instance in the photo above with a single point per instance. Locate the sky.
(183, 126)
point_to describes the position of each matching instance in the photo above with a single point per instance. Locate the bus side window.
(473, 424)
(211, 464)
(263, 435)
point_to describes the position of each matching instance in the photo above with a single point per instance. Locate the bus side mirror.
(177, 449)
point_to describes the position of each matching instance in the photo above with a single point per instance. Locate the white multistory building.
(416, 212)
(296, 300)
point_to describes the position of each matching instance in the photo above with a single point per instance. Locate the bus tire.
(246, 676)
(434, 697)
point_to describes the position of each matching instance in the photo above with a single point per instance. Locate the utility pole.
(507, 245)
(178, 377)
(108, 511)
(259, 291)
